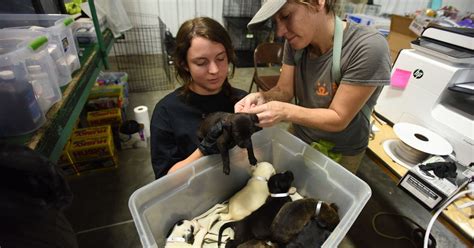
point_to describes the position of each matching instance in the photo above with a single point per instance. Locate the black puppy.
(312, 235)
(257, 224)
(228, 130)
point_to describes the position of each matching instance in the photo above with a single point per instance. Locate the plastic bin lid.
(50, 21)
(19, 45)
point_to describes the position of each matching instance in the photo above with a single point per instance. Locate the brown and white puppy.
(253, 195)
(257, 224)
(293, 216)
(237, 129)
(312, 235)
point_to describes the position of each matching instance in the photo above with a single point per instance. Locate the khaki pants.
(351, 163)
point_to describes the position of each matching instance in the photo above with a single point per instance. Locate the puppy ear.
(334, 206)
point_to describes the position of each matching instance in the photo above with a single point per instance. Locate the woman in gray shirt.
(333, 106)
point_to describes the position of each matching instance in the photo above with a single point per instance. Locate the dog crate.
(240, 8)
(194, 189)
(141, 52)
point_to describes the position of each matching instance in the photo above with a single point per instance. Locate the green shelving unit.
(51, 138)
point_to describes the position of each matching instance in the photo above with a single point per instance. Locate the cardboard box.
(105, 117)
(400, 35)
(91, 132)
(66, 164)
(91, 148)
(98, 164)
(106, 91)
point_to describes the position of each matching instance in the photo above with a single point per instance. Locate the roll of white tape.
(422, 139)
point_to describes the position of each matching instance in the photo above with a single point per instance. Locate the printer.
(432, 85)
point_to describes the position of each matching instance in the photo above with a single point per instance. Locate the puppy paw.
(253, 161)
(226, 171)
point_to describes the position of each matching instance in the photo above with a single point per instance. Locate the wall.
(175, 12)
(145, 13)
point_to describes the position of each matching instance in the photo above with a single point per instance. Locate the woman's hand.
(248, 102)
(271, 113)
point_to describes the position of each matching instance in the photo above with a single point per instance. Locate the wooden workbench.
(461, 219)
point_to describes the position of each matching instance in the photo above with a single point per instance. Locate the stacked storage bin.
(43, 73)
(63, 50)
(25, 65)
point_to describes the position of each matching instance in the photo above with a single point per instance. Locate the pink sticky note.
(400, 78)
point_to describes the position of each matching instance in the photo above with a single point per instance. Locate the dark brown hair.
(200, 27)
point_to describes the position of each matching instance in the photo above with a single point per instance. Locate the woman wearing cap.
(335, 70)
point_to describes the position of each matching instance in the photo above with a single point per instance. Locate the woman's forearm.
(194, 156)
(277, 94)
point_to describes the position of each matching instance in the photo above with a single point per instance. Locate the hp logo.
(418, 73)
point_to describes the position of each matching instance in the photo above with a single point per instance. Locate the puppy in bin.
(224, 131)
(253, 195)
(293, 216)
(255, 243)
(312, 235)
(257, 224)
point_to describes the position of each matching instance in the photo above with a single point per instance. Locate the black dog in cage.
(170, 45)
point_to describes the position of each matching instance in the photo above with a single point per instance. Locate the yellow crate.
(98, 131)
(65, 162)
(91, 148)
(106, 91)
(65, 158)
(111, 116)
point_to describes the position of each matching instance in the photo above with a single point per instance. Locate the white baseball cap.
(268, 9)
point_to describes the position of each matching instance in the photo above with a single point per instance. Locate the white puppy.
(253, 195)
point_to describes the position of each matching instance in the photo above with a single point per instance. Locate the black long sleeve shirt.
(175, 122)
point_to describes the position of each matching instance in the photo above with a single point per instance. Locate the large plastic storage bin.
(42, 71)
(20, 111)
(63, 51)
(194, 189)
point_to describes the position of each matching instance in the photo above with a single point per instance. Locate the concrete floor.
(101, 218)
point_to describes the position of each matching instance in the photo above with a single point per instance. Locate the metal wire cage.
(141, 53)
(240, 8)
(343, 7)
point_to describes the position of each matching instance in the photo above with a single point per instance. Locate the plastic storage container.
(194, 189)
(114, 78)
(42, 71)
(20, 111)
(63, 50)
(83, 29)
